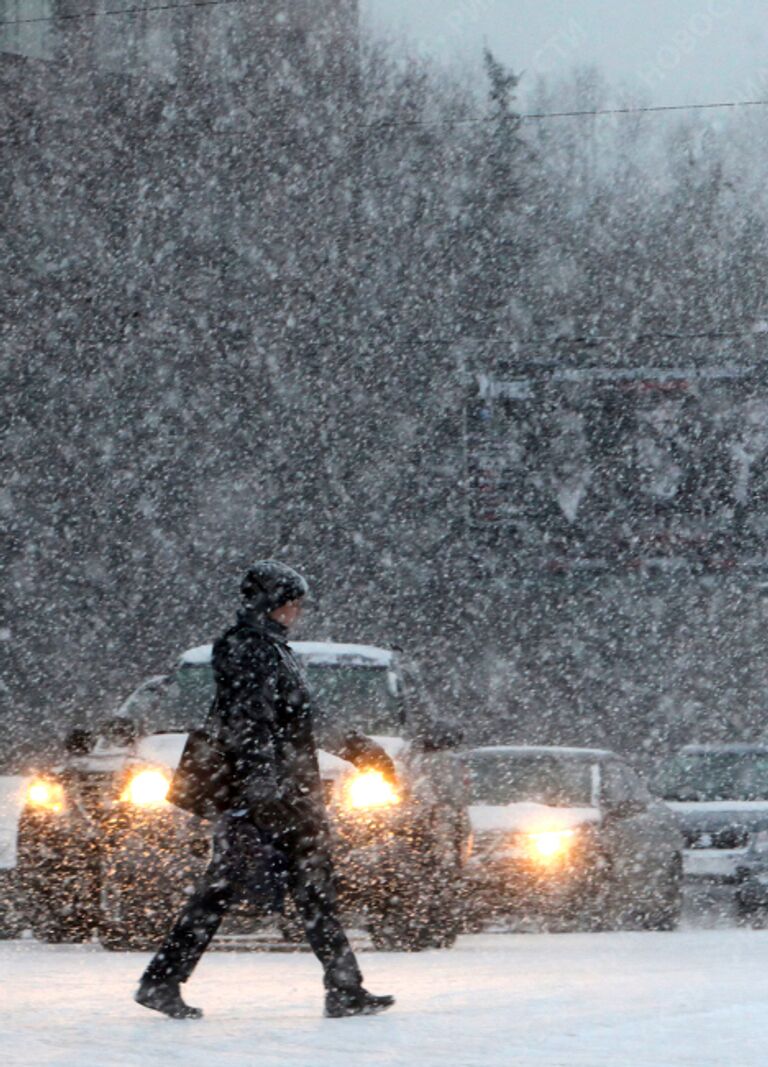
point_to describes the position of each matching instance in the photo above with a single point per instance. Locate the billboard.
(606, 465)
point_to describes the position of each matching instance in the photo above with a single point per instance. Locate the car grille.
(727, 837)
(94, 792)
(486, 842)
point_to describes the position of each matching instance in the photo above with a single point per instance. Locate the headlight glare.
(549, 846)
(147, 789)
(369, 789)
(45, 795)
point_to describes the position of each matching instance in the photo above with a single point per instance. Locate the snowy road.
(697, 998)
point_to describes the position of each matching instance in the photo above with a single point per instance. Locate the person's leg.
(191, 934)
(193, 931)
(310, 880)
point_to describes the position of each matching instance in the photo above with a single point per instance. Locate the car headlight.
(45, 795)
(369, 789)
(147, 789)
(760, 841)
(549, 846)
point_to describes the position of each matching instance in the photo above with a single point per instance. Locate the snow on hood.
(528, 816)
(313, 653)
(714, 815)
(693, 807)
(11, 803)
(166, 749)
(161, 748)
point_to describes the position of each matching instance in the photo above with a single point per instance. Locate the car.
(720, 794)
(571, 837)
(11, 788)
(99, 846)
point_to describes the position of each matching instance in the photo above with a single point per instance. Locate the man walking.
(275, 806)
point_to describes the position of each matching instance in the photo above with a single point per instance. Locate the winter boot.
(165, 997)
(340, 1003)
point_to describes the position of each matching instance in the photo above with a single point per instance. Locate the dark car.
(720, 795)
(570, 835)
(100, 847)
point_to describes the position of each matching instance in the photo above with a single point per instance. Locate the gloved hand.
(381, 762)
(367, 755)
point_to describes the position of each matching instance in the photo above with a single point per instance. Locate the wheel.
(424, 913)
(11, 920)
(398, 930)
(664, 912)
(750, 911)
(290, 925)
(131, 918)
(444, 910)
(60, 905)
(116, 939)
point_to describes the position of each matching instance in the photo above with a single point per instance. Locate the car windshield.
(499, 778)
(703, 776)
(355, 698)
(346, 698)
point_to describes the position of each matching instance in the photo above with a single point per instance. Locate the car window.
(346, 698)
(621, 784)
(355, 698)
(507, 778)
(706, 776)
(182, 703)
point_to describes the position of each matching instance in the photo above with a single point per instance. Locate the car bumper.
(369, 874)
(517, 887)
(713, 864)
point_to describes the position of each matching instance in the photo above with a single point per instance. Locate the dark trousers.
(306, 872)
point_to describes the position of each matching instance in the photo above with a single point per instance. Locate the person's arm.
(365, 753)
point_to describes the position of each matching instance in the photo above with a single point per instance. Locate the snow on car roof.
(733, 746)
(317, 652)
(541, 750)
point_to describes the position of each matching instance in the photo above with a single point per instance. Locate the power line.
(532, 116)
(594, 340)
(755, 333)
(121, 11)
(645, 110)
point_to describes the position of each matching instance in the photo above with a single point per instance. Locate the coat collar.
(265, 627)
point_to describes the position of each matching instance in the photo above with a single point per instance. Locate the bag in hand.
(202, 781)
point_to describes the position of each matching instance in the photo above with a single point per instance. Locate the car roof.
(318, 653)
(542, 750)
(737, 747)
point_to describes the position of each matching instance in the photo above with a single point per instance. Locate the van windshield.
(345, 698)
(707, 776)
(506, 778)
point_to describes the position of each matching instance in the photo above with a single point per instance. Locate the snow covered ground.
(695, 998)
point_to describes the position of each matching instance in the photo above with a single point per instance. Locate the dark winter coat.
(266, 727)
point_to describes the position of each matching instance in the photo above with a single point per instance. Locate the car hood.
(166, 749)
(162, 749)
(714, 815)
(528, 817)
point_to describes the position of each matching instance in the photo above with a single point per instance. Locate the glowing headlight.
(147, 789)
(548, 846)
(46, 795)
(370, 789)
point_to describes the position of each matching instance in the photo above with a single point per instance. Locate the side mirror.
(441, 736)
(625, 809)
(79, 742)
(120, 732)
